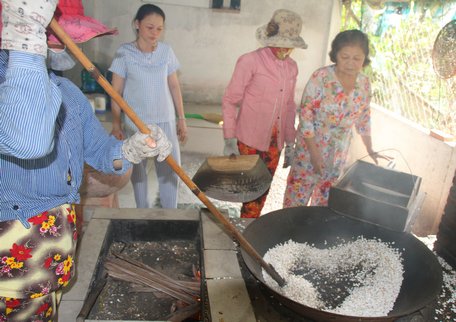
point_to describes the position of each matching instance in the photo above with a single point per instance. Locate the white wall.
(208, 42)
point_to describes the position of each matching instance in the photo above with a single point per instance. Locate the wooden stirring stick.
(82, 58)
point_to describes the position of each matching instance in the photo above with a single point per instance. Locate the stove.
(229, 292)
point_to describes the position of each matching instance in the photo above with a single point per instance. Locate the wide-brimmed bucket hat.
(283, 30)
(70, 16)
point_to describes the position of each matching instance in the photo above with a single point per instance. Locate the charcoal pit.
(171, 247)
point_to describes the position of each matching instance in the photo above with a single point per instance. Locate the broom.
(210, 117)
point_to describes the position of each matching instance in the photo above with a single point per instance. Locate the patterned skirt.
(35, 263)
(252, 209)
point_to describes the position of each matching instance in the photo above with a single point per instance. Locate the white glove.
(135, 148)
(289, 156)
(25, 23)
(231, 147)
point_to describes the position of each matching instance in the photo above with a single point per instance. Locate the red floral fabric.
(252, 209)
(36, 262)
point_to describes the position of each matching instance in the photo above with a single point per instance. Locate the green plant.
(402, 75)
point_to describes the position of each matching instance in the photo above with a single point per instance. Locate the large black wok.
(323, 227)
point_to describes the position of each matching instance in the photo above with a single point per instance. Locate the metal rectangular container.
(378, 195)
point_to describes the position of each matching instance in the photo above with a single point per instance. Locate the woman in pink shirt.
(258, 105)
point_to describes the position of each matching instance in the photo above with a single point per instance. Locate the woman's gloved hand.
(25, 23)
(231, 147)
(141, 146)
(289, 155)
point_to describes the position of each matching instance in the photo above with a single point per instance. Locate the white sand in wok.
(375, 267)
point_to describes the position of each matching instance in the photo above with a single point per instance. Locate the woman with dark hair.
(145, 74)
(335, 99)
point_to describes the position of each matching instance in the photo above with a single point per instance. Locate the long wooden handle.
(77, 52)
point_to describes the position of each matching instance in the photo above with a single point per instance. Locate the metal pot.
(323, 227)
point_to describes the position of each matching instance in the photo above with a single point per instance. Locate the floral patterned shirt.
(328, 114)
(326, 110)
